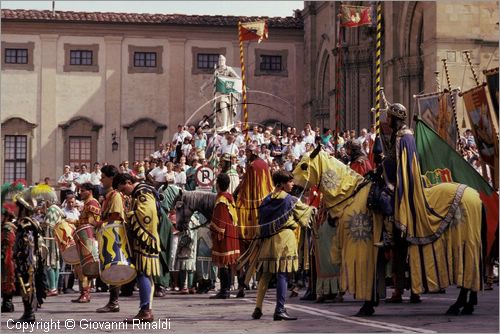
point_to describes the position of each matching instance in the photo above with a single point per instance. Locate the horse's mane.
(201, 201)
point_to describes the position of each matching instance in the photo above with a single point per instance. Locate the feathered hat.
(9, 191)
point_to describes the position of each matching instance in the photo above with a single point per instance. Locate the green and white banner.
(227, 85)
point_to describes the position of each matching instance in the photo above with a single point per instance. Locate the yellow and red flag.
(254, 31)
(355, 16)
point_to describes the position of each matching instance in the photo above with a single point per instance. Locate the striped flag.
(355, 16)
(254, 31)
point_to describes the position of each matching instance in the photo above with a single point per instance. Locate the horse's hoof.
(453, 310)
(365, 312)
(467, 310)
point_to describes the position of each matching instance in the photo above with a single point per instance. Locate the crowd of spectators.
(176, 161)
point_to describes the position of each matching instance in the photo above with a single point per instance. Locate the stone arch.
(144, 127)
(17, 126)
(323, 91)
(411, 61)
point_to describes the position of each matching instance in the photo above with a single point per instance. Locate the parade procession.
(256, 166)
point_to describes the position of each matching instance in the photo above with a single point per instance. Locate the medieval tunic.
(8, 268)
(278, 251)
(226, 245)
(143, 225)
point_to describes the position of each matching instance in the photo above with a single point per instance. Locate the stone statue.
(226, 105)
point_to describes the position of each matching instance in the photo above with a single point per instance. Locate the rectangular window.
(270, 63)
(207, 61)
(80, 57)
(143, 147)
(145, 59)
(80, 151)
(16, 56)
(16, 151)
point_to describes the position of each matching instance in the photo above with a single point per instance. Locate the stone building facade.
(74, 83)
(416, 36)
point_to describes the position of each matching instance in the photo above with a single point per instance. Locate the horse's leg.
(461, 301)
(469, 306)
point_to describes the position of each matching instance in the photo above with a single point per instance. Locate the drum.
(116, 263)
(86, 244)
(63, 232)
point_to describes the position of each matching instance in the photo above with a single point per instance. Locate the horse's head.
(306, 174)
(334, 178)
(183, 212)
(170, 196)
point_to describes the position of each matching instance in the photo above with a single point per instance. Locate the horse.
(187, 202)
(435, 264)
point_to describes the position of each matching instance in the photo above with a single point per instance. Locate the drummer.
(143, 223)
(113, 211)
(89, 215)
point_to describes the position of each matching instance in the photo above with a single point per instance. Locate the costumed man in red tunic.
(359, 161)
(90, 215)
(226, 245)
(251, 191)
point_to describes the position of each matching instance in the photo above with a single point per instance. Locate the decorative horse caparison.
(449, 259)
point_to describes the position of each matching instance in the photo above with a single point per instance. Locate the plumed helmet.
(25, 199)
(398, 110)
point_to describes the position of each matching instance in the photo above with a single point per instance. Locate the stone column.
(113, 97)
(47, 116)
(177, 76)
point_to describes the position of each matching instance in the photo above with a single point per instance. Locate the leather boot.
(28, 314)
(84, 296)
(112, 305)
(142, 316)
(7, 305)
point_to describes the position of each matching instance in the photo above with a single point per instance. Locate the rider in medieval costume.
(425, 214)
(143, 220)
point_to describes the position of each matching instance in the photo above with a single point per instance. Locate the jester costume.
(143, 220)
(113, 212)
(226, 245)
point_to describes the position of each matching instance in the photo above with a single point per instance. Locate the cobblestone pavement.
(197, 313)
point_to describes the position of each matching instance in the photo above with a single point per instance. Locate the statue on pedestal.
(226, 94)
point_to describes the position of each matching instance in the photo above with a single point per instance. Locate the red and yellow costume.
(226, 245)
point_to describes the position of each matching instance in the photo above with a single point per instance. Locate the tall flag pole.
(378, 52)
(247, 32)
(337, 76)
(244, 86)
(452, 96)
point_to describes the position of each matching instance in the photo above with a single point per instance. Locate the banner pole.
(378, 51)
(452, 97)
(243, 89)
